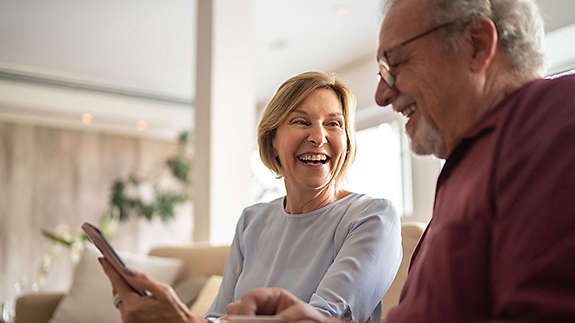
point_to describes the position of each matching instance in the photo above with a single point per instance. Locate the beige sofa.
(205, 261)
(200, 261)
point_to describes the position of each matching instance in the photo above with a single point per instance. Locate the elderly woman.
(322, 243)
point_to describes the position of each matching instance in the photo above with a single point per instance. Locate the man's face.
(427, 78)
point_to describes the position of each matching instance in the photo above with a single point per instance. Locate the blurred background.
(96, 93)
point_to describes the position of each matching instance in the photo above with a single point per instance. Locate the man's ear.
(484, 41)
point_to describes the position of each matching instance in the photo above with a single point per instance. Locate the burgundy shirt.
(501, 242)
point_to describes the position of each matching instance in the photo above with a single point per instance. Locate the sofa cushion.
(90, 297)
(410, 235)
(189, 289)
(206, 296)
(36, 307)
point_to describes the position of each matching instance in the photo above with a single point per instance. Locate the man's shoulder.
(558, 92)
(541, 109)
(562, 82)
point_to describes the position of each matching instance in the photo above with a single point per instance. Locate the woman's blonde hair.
(287, 98)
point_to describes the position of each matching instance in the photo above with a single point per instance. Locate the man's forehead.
(404, 19)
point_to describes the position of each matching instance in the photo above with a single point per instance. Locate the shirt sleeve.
(364, 267)
(533, 243)
(232, 270)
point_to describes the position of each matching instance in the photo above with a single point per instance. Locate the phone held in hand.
(108, 252)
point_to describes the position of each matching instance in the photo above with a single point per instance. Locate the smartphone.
(255, 319)
(108, 252)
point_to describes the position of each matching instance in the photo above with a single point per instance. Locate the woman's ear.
(484, 42)
(277, 156)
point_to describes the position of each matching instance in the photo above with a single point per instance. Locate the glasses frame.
(384, 66)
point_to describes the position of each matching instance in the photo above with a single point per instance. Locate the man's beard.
(426, 140)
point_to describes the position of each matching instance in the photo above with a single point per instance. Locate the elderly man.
(501, 242)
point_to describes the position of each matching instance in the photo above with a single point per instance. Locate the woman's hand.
(276, 301)
(162, 305)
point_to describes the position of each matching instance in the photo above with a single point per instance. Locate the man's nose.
(384, 95)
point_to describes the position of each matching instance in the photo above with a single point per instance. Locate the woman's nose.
(317, 135)
(384, 95)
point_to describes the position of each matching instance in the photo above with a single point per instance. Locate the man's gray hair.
(518, 22)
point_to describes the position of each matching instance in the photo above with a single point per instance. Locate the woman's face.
(311, 142)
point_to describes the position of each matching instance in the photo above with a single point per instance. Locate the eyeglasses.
(385, 66)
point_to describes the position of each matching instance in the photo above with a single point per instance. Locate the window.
(568, 72)
(382, 166)
(559, 50)
(266, 186)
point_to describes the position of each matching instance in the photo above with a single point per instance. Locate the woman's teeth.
(313, 158)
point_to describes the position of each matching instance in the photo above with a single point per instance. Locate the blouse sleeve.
(364, 267)
(232, 270)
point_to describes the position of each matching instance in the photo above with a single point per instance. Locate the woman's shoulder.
(362, 207)
(264, 205)
(366, 203)
(263, 208)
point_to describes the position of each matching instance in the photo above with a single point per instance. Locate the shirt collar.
(491, 119)
(486, 124)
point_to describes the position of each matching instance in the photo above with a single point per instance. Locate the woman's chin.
(315, 183)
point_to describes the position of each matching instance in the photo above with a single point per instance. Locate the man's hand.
(276, 301)
(162, 305)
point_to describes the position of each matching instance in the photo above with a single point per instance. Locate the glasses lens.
(385, 73)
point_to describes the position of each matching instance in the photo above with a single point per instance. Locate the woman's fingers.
(119, 286)
(241, 307)
(275, 301)
(161, 306)
(263, 301)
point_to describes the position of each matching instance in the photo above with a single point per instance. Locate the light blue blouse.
(341, 258)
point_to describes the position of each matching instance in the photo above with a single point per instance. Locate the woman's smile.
(311, 142)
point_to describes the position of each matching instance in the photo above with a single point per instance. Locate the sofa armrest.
(36, 307)
(410, 235)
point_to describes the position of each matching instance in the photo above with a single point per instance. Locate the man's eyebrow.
(394, 49)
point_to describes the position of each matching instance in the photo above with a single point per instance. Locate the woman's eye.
(299, 121)
(335, 124)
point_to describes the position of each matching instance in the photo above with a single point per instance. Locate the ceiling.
(147, 46)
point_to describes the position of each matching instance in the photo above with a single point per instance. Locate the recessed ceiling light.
(341, 10)
(87, 118)
(142, 125)
(279, 44)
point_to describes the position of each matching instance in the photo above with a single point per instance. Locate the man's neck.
(499, 88)
(492, 91)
